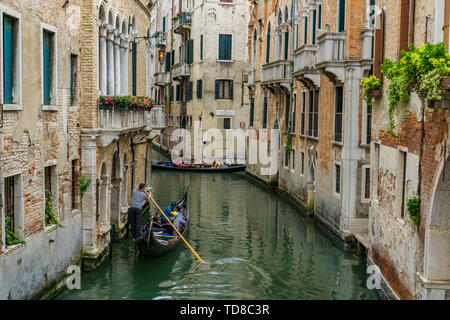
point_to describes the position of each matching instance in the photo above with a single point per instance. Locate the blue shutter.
(46, 67)
(217, 89)
(7, 59)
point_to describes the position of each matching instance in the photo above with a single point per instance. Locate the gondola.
(168, 165)
(152, 245)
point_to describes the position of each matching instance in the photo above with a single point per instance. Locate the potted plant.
(371, 89)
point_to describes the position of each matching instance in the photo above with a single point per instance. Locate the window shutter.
(199, 89)
(313, 40)
(268, 46)
(341, 15)
(286, 45)
(305, 31)
(172, 56)
(190, 53)
(164, 24)
(404, 27)
(190, 90)
(217, 89)
(201, 47)
(46, 67)
(7, 59)
(228, 47)
(168, 61)
(378, 51)
(134, 67)
(319, 24)
(446, 23)
(221, 47)
(231, 89)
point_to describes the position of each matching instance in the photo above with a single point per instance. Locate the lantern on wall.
(161, 55)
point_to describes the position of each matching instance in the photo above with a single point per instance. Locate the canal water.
(256, 245)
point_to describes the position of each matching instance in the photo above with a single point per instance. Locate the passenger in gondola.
(168, 210)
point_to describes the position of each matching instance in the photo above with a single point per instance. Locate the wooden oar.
(193, 251)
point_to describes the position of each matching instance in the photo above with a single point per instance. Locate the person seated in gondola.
(168, 210)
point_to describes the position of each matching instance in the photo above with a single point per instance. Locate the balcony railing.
(161, 78)
(277, 72)
(305, 60)
(181, 70)
(251, 77)
(182, 23)
(122, 120)
(331, 47)
(156, 118)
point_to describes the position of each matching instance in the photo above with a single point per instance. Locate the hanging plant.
(84, 184)
(50, 217)
(125, 103)
(10, 236)
(420, 70)
(413, 206)
(371, 89)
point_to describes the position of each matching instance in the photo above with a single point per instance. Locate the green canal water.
(256, 245)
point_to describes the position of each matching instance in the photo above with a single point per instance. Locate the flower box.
(123, 103)
(375, 93)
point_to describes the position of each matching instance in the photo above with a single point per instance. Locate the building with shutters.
(115, 142)
(205, 68)
(413, 260)
(40, 144)
(307, 59)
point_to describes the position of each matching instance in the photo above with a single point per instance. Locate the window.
(190, 51)
(302, 162)
(338, 115)
(305, 31)
(366, 180)
(225, 46)
(224, 89)
(168, 60)
(286, 157)
(319, 21)
(178, 92)
(190, 86)
(287, 112)
(401, 181)
(199, 88)
(50, 190)
(313, 29)
(294, 114)
(13, 205)
(226, 123)
(292, 159)
(73, 78)
(369, 125)
(49, 68)
(264, 122)
(286, 45)
(134, 67)
(201, 47)
(171, 93)
(337, 177)
(11, 61)
(341, 16)
(313, 123)
(252, 111)
(302, 124)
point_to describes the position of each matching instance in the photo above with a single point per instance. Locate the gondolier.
(138, 197)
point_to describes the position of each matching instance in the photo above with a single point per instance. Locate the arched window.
(280, 17)
(286, 14)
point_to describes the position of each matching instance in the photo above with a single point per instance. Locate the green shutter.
(228, 47)
(268, 46)
(46, 66)
(201, 47)
(190, 51)
(7, 59)
(313, 40)
(286, 45)
(167, 61)
(305, 35)
(222, 45)
(231, 89)
(199, 89)
(341, 15)
(217, 89)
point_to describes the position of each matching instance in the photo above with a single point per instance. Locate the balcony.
(367, 36)
(331, 55)
(161, 78)
(181, 70)
(251, 78)
(182, 23)
(155, 119)
(276, 75)
(305, 60)
(160, 39)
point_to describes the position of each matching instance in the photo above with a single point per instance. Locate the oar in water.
(189, 246)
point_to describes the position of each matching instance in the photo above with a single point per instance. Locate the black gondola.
(152, 246)
(168, 165)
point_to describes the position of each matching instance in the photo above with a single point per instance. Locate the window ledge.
(12, 107)
(15, 248)
(226, 61)
(364, 145)
(337, 143)
(50, 228)
(312, 138)
(49, 108)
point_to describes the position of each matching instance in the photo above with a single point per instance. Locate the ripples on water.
(256, 246)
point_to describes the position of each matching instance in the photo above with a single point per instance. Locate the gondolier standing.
(138, 197)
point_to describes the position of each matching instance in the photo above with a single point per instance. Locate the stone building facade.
(115, 144)
(413, 162)
(307, 60)
(205, 69)
(40, 55)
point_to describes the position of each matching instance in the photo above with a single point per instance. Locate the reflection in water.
(256, 245)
